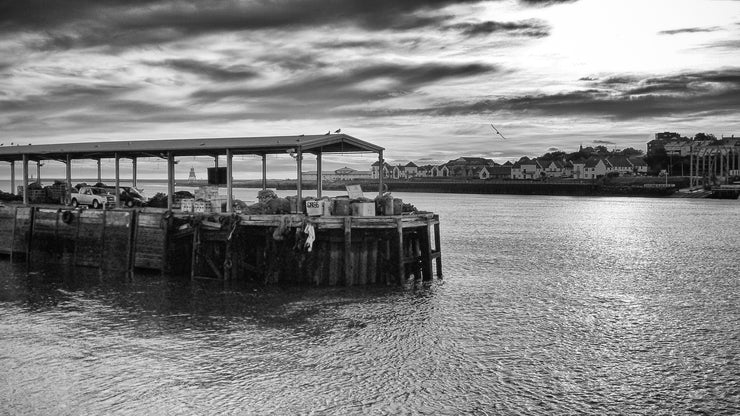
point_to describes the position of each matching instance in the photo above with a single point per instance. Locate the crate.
(206, 193)
(363, 209)
(315, 207)
(186, 205)
(219, 204)
(202, 206)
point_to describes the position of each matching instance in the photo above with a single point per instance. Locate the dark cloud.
(120, 23)
(724, 44)
(207, 70)
(531, 28)
(708, 93)
(607, 142)
(552, 149)
(544, 3)
(64, 97)
(689, 30)
(353, 85)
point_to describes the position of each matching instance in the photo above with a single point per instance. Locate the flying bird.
(338, 130)
(498, 132)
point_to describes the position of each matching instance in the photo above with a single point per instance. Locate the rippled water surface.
(550, 305)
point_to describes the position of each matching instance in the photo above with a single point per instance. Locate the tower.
(191, 177)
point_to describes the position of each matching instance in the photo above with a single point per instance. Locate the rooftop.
(328, 143)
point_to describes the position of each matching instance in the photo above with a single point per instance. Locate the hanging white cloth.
(309, 230)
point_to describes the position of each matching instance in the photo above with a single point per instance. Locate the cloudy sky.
(424, 79)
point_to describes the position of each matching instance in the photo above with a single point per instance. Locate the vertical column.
(100, 172)
(438, 246)
(400, 268)
(381, 162)
(38, 172)
(134, 169)
(264, 171)
(170, 180)
(348, 276)
(691, 167)
(319, 176)
(12, 177)
(299, 181)
(118, 180)
(229, 181)
(68, 178)
(215, 161)
(25, 179)
(426, 251)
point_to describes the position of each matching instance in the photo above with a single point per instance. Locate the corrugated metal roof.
(328, 143)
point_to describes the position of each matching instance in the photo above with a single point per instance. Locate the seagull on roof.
(338, 130)
(328, 132)
(498, 132)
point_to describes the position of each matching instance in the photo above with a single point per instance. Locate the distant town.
(668, 154)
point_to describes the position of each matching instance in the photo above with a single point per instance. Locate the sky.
(424, 79)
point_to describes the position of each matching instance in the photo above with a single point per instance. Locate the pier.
(372, 243)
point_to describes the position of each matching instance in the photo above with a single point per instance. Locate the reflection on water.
(550, 305)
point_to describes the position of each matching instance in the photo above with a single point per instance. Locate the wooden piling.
(400, 267)
(348, 274)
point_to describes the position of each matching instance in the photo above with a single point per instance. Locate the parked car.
(132, 197)
(95, 197)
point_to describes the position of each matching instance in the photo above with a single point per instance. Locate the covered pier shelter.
(296, 146)
(339, 248)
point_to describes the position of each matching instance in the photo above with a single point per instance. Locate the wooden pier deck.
(267, 249)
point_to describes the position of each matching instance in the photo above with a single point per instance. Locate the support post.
(438, 247)
(264, 171)
(319, 176)
(400, 267)
(100, 171)
(38, 172)
(134, 168)
(426, 251)
(170, 180)
(25, 179)
(299, 181)
(118, 180)
(348, 276)
(229, 182)
(68, 178)
(381, 162)
(215, 161)
(12, 178)
(691, 167)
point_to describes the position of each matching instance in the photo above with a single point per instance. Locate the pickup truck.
(89, 195)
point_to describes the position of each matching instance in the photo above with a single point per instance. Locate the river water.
(549, 305)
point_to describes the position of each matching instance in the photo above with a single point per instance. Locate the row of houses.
(526, 168)
(591, 168)
(675, 145)
(481, 168)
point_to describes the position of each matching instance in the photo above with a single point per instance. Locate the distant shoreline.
(628, 186)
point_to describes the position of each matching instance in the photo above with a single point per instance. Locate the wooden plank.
(23, 231)
(67, 236)
(438, 248)
(89, 239)
(44, 241)
(7, 225)
(348, 276)
(116, 240)
(400, 268)
(150, 241)
(426, 251)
